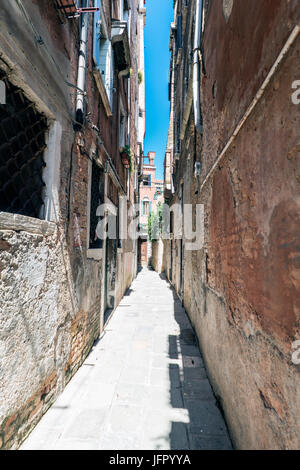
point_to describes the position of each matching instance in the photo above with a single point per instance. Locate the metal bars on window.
(97, 198)
(67, 8)
(22, 145)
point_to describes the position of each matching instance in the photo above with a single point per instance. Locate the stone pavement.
(143, 386)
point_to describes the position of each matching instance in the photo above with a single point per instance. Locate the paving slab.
(143, 386)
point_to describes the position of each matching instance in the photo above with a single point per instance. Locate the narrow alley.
(149, 225)
(143, 386)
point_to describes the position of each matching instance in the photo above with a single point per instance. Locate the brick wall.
(241, 290)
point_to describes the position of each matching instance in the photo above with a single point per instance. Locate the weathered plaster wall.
(157, 256)
(45, 335)
(50, 294)
(242, 289)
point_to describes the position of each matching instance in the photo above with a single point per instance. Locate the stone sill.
(23, 223)
(96, 254)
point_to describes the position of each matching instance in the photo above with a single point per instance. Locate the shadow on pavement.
(204, 427)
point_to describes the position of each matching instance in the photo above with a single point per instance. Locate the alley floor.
(143, 386)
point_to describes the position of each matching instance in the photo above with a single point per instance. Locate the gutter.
(82, 62)
(196, 64)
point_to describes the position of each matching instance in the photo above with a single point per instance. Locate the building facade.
(233, 148)
(151, 194)
(70, 71)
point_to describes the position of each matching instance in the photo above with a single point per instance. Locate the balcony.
(120, 43)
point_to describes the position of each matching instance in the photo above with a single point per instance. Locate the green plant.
(126, 150)
(131, 163)
(140, 77)
(155, 223)
(130, 156)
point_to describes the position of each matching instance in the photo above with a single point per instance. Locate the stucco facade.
(58, 281)
(241, 289)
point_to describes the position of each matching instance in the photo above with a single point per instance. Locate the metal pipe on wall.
(196, 64)
(81, 77)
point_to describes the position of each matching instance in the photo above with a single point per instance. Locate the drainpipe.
(81, 77)
(196, 64)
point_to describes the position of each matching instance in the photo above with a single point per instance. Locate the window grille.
(97, 191)
(22, 144)
(66, 8)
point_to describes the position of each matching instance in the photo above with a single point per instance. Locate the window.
(147, 180)
(124, 10)
(178, 146)
(122, 130)
(146, 207)
(179, 32)
(97, 198)
(106, 67)
(97, 32)
(103, 53)
(171, 222)
(122, 140)
(170, 84)
(113, 9)
(136, 113)
(22, 144)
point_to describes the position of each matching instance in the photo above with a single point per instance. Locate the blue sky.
(157, 60)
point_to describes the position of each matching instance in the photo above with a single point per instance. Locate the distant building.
(151, 193)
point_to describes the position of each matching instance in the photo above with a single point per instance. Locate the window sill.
(96, 254)
(24, 223)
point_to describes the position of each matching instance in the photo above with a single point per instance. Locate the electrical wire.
(38, 38)
(41, 42)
